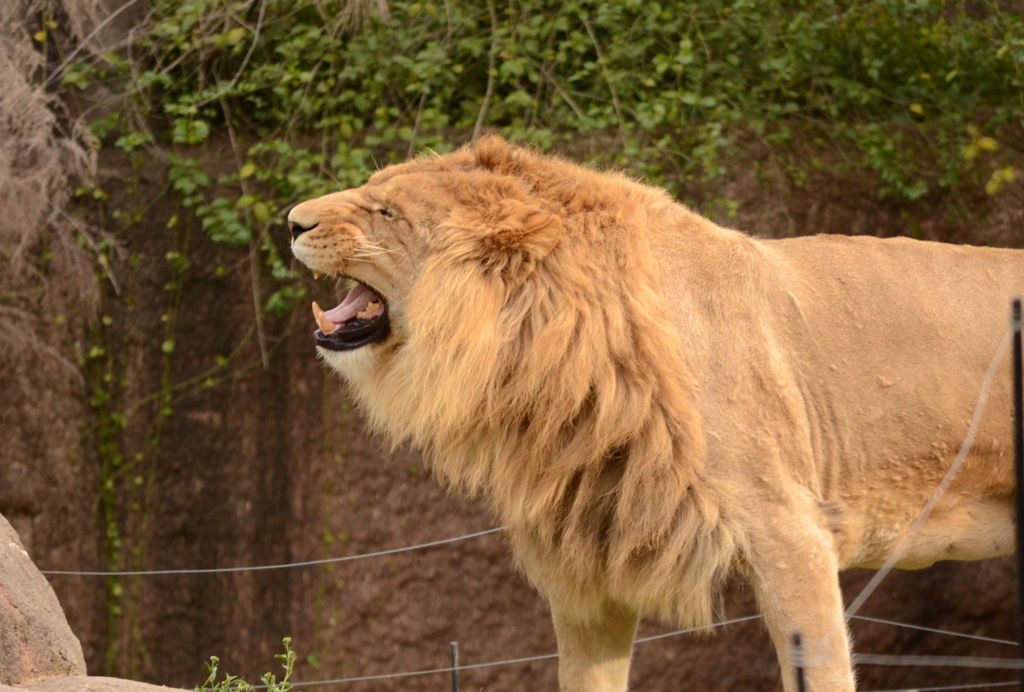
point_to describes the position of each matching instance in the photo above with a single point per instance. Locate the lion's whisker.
(361, 258)
(377, 253)
(369, 245)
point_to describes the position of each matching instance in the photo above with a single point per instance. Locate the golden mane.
(565, 399)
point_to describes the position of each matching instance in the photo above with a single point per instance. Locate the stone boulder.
(87, 684)
(35, 638)
(38, 650)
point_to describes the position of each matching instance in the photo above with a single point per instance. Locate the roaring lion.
(652, 402)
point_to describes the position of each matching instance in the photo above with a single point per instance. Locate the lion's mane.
(543, 369)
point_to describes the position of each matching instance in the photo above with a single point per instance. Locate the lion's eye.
(388, 214)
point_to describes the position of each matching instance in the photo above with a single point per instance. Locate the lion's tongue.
(355, 303)
(359, 296)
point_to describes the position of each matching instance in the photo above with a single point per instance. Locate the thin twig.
(416, 123)
(604, 71)
(245, 61)
(562, 93)
(82, 44)
(489, 93)
(426, 85)
(253, 248)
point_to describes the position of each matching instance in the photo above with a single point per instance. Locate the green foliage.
(639, 66)
(678, 92)
(230, 683)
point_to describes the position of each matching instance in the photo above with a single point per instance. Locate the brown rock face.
(35, 639)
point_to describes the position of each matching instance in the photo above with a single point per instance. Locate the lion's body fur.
(651, 402)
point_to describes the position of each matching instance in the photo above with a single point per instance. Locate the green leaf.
(261, 212)
(234, 35)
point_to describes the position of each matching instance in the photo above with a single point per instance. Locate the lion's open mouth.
(360, 319)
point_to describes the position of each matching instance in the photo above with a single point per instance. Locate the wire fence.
(283, 565)
(861, 658)
(969, 686)
(866, 659)
(976, 662)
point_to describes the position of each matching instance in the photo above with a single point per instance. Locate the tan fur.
(651, 402)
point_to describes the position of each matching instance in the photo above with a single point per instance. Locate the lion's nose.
(298, 221)
(298, 229)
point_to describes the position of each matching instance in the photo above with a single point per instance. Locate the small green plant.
(230, 683)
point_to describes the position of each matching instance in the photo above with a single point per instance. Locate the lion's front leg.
(594, 652)
(795, 574)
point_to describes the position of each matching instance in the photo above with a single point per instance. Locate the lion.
(652, 403)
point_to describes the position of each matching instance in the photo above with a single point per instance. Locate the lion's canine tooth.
(316, 275)
(326, 326)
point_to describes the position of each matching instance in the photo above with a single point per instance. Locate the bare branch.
(490, 72)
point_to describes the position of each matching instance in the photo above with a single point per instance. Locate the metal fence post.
(455, 666)
(1018, 464)
(798, 663)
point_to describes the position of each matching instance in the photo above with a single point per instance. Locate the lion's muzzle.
(360, 319)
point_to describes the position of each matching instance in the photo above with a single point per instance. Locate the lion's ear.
(523, 228)
(512, 236)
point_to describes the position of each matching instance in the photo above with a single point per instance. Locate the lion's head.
(508, 317)
(399, 226)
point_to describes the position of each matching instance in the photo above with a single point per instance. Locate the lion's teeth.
(326, 326)
(316, 275)
(369, 311)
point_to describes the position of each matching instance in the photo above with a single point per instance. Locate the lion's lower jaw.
(355, 365)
